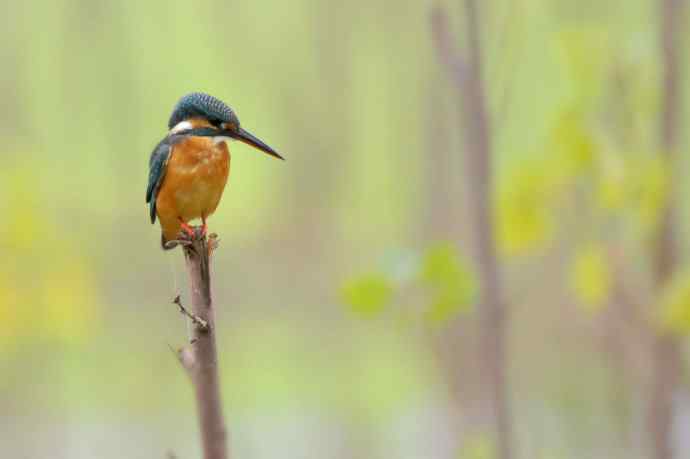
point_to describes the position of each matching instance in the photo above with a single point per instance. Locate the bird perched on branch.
(189, 168)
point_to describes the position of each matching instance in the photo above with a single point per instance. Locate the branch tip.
(213, 242)
(446, 50)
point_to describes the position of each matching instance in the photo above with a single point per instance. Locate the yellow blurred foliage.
(586, 51)
(636, 184)
(477, 447)
(613, 187)
(23, 223)
(675, 303)
(9, 311)
(46, 290)
(70, 303)
(650, 177)
(526, 198)
(571, 146)
(524, 219)
(368, 295)
(591, 277)
(451, 281)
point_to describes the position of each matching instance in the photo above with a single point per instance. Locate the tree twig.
(196, 320)
(447, 52)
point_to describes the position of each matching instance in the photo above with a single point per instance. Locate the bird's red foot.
(204, 230)
(187, 229)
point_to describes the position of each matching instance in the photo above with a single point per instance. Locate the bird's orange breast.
(195, 178)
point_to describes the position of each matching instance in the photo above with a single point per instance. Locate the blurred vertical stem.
(200, 357)
(466, 72)
(666, 355)
(437, 219)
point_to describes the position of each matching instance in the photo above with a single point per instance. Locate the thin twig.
(448, 54)
(196, 320)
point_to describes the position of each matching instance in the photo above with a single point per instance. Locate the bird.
(189, 168)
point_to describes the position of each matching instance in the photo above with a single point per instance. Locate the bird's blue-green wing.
(157, 167)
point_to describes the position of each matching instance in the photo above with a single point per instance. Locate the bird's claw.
(187, 230)
(175, 242)
(189, 233)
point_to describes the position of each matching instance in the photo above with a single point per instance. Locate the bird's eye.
(229, 125)
(215, 123)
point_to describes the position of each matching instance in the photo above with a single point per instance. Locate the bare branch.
(199, 358)
(467, 75)
(667, 355)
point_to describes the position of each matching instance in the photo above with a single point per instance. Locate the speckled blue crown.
(200, 105)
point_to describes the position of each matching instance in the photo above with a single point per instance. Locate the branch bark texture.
(466, 71)
(200, 357)
(666, 352)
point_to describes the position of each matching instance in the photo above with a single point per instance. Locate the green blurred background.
(343, 283)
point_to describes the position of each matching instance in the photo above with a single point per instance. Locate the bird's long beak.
(249, 139)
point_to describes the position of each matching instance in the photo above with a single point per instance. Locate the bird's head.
(203, 115)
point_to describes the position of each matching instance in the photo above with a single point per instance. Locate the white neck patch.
(181, 126)
(221, 138)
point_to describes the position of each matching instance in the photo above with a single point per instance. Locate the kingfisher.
(189, 168)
